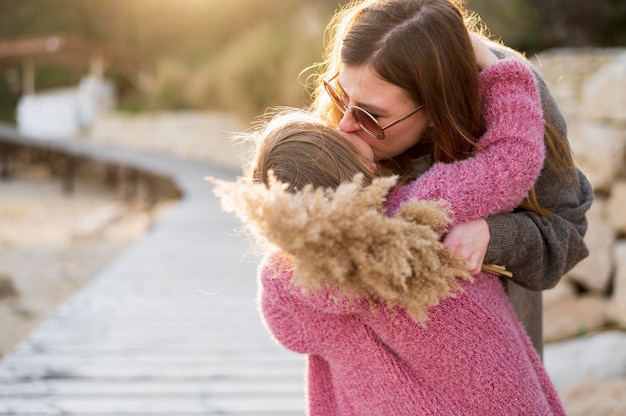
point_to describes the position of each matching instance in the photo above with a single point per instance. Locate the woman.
(388, 58)
(471, 357)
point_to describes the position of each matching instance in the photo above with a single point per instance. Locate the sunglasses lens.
(334, 95)
(364, 119)
(367, 122)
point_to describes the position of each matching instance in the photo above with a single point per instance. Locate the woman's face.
(361, 86)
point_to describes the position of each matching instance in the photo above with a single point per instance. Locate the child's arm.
(286, 316)
(302, 322)
(510, 156)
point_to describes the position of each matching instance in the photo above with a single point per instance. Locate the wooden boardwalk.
(171, 327)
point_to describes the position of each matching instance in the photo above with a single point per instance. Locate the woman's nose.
(347, 123)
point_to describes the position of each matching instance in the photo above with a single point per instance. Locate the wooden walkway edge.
(171, 327)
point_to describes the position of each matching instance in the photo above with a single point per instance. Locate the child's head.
(326, 237)
(301, 150)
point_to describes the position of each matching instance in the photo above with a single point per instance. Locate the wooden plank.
(170, 328)
(62, 387)
(155, 406)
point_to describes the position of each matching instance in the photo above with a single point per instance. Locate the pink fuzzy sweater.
(472, 357)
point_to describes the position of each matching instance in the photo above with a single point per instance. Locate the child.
(367, 356)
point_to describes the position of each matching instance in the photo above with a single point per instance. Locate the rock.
(617, 307)
(602, 356)
(572, 317)
(194, 135)
(602, 164)
(561, 292)
(588, 397)
(594, 272)
(604, 93)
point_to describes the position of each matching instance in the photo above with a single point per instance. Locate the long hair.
(423, 47)
(301, 150)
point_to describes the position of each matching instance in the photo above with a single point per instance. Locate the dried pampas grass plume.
(342, 239)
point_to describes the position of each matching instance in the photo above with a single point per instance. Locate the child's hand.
(484, 56)
(469, 241)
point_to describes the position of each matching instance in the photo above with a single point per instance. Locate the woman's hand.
(469, 241)
(484, 56)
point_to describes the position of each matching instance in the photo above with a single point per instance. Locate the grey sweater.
(539, 250)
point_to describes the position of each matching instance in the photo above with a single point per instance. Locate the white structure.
(62, 113)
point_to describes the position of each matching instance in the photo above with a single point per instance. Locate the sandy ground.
(52, 243)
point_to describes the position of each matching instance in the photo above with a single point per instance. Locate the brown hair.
(424, 47)
(301, 150)
(326, 238)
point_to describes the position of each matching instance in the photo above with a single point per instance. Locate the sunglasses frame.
(357, 111)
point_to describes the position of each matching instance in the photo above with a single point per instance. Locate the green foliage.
(506, 19)
(241, 55)
(8, 102)
(259, 70)
(170, 85)
(535, 25)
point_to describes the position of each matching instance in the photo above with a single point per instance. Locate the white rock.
(562, 291)
(599, 150)
(602, 356)
(571, 317)
(589, 397)
(604, 93)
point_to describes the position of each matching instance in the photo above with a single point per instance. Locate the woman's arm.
(551, 245)
(510, 156)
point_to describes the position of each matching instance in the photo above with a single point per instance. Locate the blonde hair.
(299, 150)
(308, 194)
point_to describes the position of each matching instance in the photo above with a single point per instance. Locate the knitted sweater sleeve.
(552, 245)
(297, 318)
(510, 156)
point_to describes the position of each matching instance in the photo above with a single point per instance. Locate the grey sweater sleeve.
(539, 250)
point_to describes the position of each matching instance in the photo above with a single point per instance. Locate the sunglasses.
(364, 119)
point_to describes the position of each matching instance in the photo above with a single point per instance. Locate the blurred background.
(178, 77)
(242, 56)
